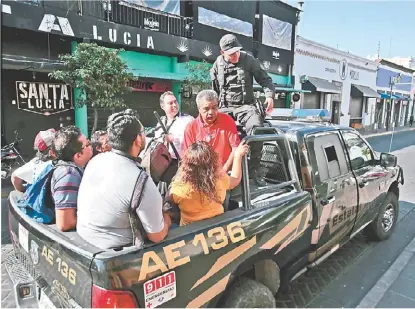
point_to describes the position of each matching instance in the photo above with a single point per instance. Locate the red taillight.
(102, 298)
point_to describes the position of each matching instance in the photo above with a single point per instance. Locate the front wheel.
(384, 224)
(248, 293)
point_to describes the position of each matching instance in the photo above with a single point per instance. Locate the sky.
(358, 26)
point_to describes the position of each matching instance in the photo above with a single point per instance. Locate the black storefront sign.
(69, 24)
(43, 98)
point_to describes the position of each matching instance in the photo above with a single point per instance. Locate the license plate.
(45, 302)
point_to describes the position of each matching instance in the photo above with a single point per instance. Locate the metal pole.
(389, 106)
(393, 127)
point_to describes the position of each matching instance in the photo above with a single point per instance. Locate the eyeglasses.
(88, 143)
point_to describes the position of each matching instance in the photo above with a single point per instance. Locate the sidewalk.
(379, 132)
(395, 289)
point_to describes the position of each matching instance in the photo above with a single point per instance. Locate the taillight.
(102, 298)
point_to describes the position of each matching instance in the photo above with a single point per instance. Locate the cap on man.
(32, 169)
(232, 77)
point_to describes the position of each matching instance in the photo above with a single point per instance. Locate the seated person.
(217, 129)
(99, 141)
(73, 151)
(200, 186)
(105, 194)
(32, 169)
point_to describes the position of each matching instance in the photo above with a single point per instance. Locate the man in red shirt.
(217, 129)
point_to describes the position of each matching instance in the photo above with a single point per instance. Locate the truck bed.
(58, 261)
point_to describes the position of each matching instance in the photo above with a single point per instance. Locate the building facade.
(398, 112)
(407, 62)
(338, 81)
(159, 43)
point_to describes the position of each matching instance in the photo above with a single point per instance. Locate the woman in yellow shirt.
(200, 185)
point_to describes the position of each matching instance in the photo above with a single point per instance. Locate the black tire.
(382, 227)
(248, 293)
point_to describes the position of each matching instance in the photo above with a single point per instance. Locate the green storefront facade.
(156, 67)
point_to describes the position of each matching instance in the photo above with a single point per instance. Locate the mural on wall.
(43, 98)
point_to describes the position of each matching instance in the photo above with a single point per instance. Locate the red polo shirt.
(222, 135)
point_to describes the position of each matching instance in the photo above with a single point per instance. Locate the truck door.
(335, 191)
(369, 174)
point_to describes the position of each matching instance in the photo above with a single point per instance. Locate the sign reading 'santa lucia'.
(43, 98)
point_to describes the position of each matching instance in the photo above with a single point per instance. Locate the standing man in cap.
(232, 79)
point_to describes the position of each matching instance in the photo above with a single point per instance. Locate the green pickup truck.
(325, 185)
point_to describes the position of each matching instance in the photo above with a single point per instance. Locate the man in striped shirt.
(73, 151)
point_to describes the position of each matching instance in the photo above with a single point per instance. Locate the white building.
(408, 62)
(340, 82)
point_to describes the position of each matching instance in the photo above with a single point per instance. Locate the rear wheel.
(248, 293)
(384, 224)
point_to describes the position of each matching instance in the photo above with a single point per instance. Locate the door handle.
(363, 183)
(328, 200)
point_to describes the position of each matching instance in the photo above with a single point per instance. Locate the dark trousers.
(249, 117)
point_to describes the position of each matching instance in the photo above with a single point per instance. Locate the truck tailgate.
(60, 262)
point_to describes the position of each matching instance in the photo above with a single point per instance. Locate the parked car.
(325, 185)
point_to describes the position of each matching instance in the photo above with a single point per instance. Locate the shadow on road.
(400, 140)
(333, 283)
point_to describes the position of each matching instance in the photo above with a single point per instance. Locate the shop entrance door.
(335, 112)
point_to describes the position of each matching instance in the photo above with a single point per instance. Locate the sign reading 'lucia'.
(43, 98)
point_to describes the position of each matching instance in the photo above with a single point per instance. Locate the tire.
(248, 293)
(382, 227)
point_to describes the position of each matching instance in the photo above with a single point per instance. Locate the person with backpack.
(232, 79)
(118, 203)
(175, 123)
(27, 173)
(52, 197)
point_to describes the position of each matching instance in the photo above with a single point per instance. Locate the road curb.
(375, 294)
(389, 132)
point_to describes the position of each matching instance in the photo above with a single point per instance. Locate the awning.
(321, 85)
(157, 75)
(363, 91)
(15, 62)
(401, 97)
(387, 96)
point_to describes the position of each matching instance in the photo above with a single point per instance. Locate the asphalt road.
(344, 278)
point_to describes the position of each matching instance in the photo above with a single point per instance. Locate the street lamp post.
(392, 82)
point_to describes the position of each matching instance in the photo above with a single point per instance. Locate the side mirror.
(388, 160)
(357, 163)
